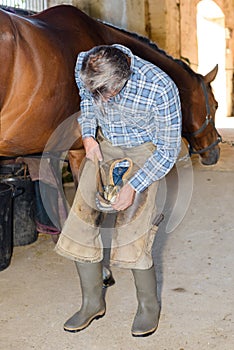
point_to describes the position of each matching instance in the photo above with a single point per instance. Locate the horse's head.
(201, 133)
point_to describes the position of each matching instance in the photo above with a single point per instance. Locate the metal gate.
(29, 5)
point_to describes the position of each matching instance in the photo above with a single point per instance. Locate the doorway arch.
(211, 40)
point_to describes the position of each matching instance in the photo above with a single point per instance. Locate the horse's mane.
(153, 45)
(17, 11)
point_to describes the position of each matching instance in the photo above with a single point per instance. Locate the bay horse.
(38, 90)
(38, 93)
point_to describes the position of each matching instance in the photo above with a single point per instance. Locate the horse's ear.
(211, 76)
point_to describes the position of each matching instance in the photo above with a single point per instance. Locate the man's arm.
(167, 139)
(87, 118)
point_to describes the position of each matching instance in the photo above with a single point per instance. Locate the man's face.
(109, 94)
(105, 94)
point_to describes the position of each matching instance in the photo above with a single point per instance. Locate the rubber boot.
(147, 316)
(93, 303)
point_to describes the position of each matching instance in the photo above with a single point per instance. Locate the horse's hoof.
(108, 282)
(108, 279)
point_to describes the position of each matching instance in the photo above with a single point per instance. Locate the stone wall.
(128, 14)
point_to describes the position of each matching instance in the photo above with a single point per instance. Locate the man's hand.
(124, 198)
(92, 149)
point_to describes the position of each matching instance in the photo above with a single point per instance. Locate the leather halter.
(208, 121)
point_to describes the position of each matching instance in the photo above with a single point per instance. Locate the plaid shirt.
(147, 109)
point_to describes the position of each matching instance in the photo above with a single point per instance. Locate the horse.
(38, 93)
(38, 90)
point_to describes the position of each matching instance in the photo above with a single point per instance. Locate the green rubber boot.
(147, 316)
(93, 303)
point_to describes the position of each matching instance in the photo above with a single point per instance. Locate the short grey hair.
(105, 69)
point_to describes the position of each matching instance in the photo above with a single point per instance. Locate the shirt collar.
(125, 49)
(129, 86)
(127, 52)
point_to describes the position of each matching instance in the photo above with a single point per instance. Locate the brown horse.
(38, 90)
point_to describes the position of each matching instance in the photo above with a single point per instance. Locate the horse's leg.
(51, 192)
(75, 160)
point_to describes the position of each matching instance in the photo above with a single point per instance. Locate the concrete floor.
(194, 265)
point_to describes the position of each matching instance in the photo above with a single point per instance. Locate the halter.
(208, 121)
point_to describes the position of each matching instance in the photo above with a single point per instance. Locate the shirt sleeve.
(87, 118)
(167, 139)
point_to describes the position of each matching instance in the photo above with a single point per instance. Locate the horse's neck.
(182, 78)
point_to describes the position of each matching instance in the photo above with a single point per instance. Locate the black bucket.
(24, 225)
(6, 225)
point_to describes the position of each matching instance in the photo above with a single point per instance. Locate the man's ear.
(129, 60)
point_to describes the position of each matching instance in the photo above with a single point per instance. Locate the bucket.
(24, 226)
(6, 225)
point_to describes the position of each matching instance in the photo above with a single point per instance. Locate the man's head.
(104, 72)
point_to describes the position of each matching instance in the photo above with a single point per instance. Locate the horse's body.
(38, 90)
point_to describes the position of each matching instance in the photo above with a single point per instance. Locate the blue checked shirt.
(147, 109)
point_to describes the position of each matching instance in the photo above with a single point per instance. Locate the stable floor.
(194, 261)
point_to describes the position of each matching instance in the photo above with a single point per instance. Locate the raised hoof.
(85, 325)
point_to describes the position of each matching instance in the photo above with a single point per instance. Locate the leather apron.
(134, 229)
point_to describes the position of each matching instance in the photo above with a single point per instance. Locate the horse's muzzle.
(210, 157)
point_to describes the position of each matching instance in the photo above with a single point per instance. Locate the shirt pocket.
(139, 120)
